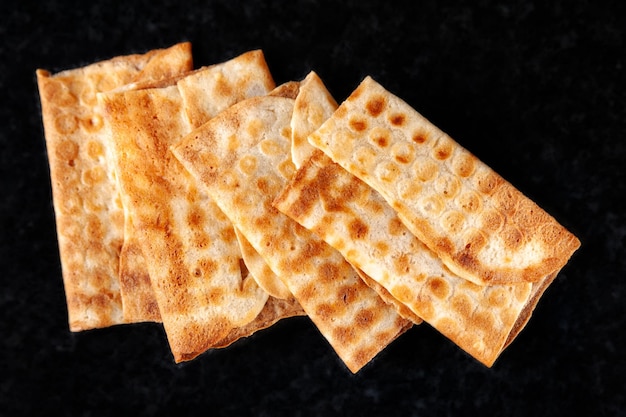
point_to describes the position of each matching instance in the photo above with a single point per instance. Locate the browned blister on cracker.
(483, 228)
(88, 211)
(243, 158)
(353, 218)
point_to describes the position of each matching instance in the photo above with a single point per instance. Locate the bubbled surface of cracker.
(483, 228)
(189, 246)
(243, 158)
(356, 220)
(88, 212)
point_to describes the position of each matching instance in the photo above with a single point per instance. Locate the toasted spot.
(92, 124)
(452, 221)
(444, 245)
(419, 138)
(464, 164)
(425, 308)
(344, 334)
(205, 267)
(365, 157)
(95, 149)
(498, 297)
(380, 137)
(397, 119)
(287, 169)
(67, 150)
(248, 164)
(492, 220)
(357, 229)
(66, 124)
(264, 222)
(401, 264)
(487, 182)
(328, 272)
(94, 228)
(513, 237)
(443, 149)
(285, 132)
(215, 296)
(93, 176)
(448, 326)
(59, 93)
(551, 233)
(307, 292)
(381, 247)
(403, 293)
(475, 240)
(403, 152)
(483, 320)
(439, 287)
(387, 171)
(396, 227)
(425, 169)
(358, 125)
(470, 202)
(527, 216)
(364, 318)
(195, 217)
(409, 189)
(325, 311)
(507, 200)
(222, 86)
(375, 105)
(270, 147)
(447, 185)
(462, 304)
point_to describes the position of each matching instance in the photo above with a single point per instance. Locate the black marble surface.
(535, 89)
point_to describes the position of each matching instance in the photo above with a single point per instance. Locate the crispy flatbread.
(189, 246)
(353, 218)
(88, 213)
(483, 229)
(205, 92)
(243, 158)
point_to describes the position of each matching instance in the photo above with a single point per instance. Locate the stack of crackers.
(217, 203)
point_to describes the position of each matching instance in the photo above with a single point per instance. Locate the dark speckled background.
(535, 89)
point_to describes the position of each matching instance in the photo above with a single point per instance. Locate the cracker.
(483, 229)
(189, 246)
(205, 92)
(88, 213)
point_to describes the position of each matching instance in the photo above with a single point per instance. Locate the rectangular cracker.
(189, 246)
(355, 219)
(242, 156)
(205, 92)
(88, 214)
(483, 229)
